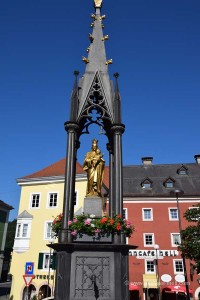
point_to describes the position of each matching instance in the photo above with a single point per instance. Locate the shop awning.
(150, 281)
(177, 288)
(133, 287)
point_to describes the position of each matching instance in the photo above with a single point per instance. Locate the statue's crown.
(97, 3)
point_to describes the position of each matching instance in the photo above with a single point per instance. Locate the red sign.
(28, 279)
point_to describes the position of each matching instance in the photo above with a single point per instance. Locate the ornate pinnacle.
(97, 3)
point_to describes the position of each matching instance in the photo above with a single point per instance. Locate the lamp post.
(179, 193)
(156, 247)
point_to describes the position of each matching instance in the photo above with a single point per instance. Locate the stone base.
(93, 206)
(92, 271)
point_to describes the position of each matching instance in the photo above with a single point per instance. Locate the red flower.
(118, 227)
(119, 216)
(112, 221)
(104, 220)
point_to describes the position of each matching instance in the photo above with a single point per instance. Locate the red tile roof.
(58, 169)
(55, 169)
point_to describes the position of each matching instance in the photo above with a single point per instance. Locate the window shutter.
(53, 261)
(40, 260)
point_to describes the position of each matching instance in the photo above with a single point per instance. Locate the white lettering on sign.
(152, 253)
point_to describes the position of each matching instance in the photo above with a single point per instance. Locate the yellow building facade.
(41, 200)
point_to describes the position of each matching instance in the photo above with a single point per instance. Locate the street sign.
(29, 268)
(28, 279)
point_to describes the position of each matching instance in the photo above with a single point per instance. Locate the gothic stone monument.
(89, 270)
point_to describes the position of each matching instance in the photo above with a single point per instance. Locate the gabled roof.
(5, 206)
(25, 215)
(56, 169)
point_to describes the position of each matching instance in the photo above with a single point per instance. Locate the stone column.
(70, 176)
(111, 181)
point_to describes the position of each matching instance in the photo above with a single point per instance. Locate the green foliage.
(85, 224)
(190, 246)
(10, 234)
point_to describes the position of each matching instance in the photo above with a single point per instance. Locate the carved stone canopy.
(97, 3)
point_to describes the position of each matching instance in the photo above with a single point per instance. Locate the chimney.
(147, 161)
(197, 158)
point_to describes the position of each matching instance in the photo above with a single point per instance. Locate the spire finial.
(97, 3)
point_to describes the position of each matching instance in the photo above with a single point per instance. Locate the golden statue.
(94, 166)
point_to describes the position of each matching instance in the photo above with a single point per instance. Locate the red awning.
(177, 288)
(133, 287)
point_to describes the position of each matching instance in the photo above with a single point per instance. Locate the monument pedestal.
(93, 206)
(92, 271)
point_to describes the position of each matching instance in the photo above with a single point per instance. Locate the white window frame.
(193, 207)
(146, 270)
(44, 258)
(143, 214)
(144, 237)
(20, 230)
(31, 200)
(172, 239)
(174, 265)
(48, 200)
(125, 211)
(47, 238)
(169, 210)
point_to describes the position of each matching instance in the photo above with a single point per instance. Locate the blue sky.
(155, 46)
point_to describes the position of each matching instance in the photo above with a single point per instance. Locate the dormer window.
(182, 170)
(146, 184)
(169, 183)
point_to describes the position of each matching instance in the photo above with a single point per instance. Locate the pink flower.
(75, 220)
(69, 222)
(128, 226)
(74, 232)
(97, 230)
(87, 222)
(128, 222)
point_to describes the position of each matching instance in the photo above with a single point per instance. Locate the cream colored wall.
(37, 241)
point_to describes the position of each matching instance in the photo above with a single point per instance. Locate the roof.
(56, 169)
(134, 175)
(5, 206)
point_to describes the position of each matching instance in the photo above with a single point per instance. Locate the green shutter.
(40, 261)
(53, 261)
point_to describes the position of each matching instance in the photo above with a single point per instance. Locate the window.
(147, 214)
(53, 199)
(18, 230)
(173, 214)
(149, 266)
(22, 230)
(178, 266)
(75, 199)
(35, 200)
(146, 184)
(47, 261)
(175, 239)
(124, 215)
(169, 183)
(182, 170)
(48, 231)
(148, 239)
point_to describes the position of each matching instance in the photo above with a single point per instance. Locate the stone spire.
(96, 70)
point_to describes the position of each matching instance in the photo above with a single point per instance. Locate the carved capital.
(71, 127)
(118, 128)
